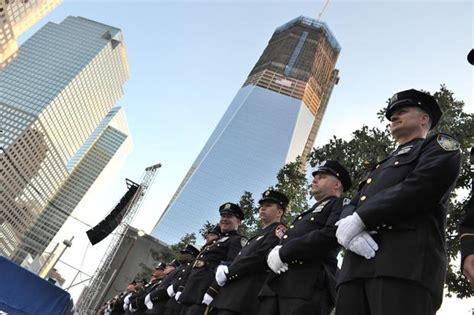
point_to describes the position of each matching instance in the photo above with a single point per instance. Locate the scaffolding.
(91, 297)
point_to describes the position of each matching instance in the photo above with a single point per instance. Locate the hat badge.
(227, 206)
(322, 163)
(267, 193)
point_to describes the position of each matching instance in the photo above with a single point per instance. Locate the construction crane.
(89, 300)
(323, 10)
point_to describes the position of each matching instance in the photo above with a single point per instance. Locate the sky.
(189, 58)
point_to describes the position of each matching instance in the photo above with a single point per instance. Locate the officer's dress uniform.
(224, 250)
(172, 307)
(404, 199)
(137, 300)
(309, 247)
(159, 296)
(466, 228)
(247, 274)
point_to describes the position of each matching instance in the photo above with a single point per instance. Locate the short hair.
(422, 111)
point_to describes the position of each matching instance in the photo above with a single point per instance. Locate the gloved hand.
(148, 302)
(170, 291)
(364, 245)
(349, 227)
(221, 274)
(131, 309)
(274, 261)
(178, 294)
(207, 299)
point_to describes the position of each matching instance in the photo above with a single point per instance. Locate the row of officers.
(392, 233)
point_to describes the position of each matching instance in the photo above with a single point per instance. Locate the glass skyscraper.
(16, 17)
(59, 128)
(273, 119)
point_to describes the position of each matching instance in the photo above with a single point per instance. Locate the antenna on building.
(323, 10)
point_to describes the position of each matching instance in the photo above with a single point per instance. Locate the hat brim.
(231, 213)
(345, 186)
(271, 200)
(433, 116)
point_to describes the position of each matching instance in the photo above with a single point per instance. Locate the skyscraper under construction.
(273, 119)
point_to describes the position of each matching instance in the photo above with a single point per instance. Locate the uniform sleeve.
(315, 244)
(213, 289)
(351, 207)
(430, 180)
(235, 245)
(255, 261)
(179, 284)
(466, 231)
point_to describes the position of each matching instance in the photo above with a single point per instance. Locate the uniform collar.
(228, 234)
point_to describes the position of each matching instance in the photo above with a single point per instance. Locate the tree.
(369, 145)
(291, 181)
(251, 223)
(188, 238)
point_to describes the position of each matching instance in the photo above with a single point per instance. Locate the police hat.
(274, 197)
(470, 57)
(418, 99)
(215, 230)
(160, 266)
(231, 208)
(336, 169)
(190, 249)
(133, 282)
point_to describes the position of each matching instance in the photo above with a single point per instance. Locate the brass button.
(389, 227)
(396, 163)
(301, 262)
(369, 180)
(292, 226)
(363, 198)
(300, 217)
(377, 166)
(285, 237)
(312, 219)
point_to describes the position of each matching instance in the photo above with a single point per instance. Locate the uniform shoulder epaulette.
(280, 231)
(447, 143)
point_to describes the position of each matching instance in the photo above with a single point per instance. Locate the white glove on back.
(221, 274)
(364, 245)
(148, 302)
(349, 227)
(176, 297)
(170, 291)
(274, 261)
(207, 299)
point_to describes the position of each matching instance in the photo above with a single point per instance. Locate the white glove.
(274, 261)
(178, 294)
(221, 275)
(131, 309)
(148, 302)
(349, 227)
(207, 299)
(364, 245)
(170, 291)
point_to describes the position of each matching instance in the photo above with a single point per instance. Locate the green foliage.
(188, 238)
(369, 145)
(251, 223)
(206, 227)
(291, 181)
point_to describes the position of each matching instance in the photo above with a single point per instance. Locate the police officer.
(403, 204)
(304, 264)
(466, 230)
(222, 251)
(158, 297)
(243, 279)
